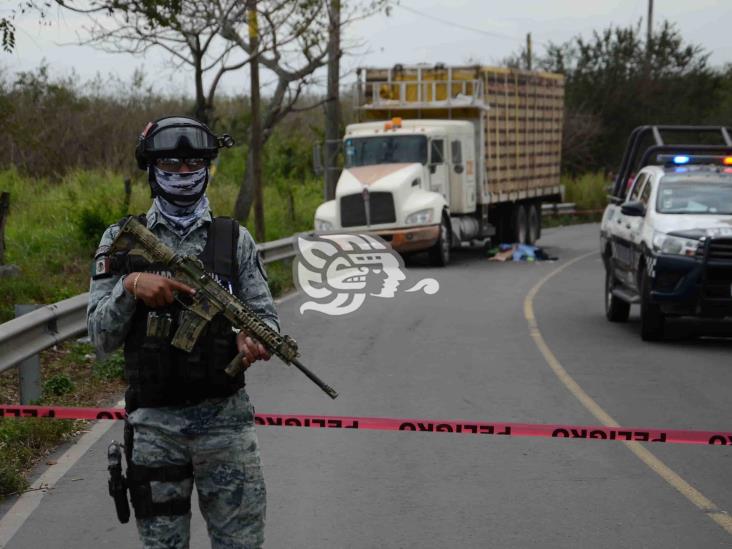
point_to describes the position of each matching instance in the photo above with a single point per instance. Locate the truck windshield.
(688, 195)
(391, 149)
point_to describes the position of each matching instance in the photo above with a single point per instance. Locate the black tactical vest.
(159, 374)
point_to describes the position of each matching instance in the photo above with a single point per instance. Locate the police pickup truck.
(666, 237)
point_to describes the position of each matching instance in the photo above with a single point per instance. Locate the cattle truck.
(449, 156)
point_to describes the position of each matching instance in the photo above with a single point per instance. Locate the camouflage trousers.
(218, 438)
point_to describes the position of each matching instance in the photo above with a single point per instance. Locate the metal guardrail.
(557, 209)
(277, 250)
(29, 334)
(49, 325)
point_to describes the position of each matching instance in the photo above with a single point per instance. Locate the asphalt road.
(467, 353)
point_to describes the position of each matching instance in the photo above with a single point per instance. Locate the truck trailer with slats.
(447, 155)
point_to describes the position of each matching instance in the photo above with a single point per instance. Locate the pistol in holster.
(118, 482)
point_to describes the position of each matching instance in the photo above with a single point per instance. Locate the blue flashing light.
(681, 170)
(681, 159)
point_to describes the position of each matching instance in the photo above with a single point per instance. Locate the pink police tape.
(623, 434)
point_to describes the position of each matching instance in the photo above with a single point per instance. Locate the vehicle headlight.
(674, 245)
(321, 225)
(421, 217)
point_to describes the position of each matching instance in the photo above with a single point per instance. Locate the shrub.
(111, 368)
(91, 223)
(588, 192)
(57, 385)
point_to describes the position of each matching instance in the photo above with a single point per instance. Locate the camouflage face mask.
(188, 186)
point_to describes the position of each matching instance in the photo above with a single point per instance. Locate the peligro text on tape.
(672, 436)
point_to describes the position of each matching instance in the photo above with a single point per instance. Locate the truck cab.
(412, 173)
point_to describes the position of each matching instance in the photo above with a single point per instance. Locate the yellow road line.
(704, 504)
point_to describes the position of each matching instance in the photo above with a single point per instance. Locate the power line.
(458, 25)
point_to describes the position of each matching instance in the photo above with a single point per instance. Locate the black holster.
(117, 482)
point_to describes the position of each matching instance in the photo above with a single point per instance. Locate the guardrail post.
(29, 370)
(4, 208)
(128, 194)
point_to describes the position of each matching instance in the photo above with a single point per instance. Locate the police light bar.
(682, 159)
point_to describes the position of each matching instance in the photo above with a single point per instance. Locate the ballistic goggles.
(180, 138)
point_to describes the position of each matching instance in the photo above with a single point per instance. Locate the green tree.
(616, 81)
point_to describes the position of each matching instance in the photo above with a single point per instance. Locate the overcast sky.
(418, 31)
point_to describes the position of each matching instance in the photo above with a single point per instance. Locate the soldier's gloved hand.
(154, 290)
(253, 350)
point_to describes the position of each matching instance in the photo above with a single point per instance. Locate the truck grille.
(720, 248)
(353, 212)
(718, 284)
(718, 276)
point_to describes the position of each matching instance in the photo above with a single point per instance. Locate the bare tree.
(295, 38)
(191, 38)
(210, 36)
(292, 48)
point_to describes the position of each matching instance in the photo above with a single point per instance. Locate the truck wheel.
(616, 310)
(519, 224)
(440, 252)
(652, 319)
(534, 224)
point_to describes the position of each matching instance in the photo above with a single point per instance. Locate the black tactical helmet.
(178, 137)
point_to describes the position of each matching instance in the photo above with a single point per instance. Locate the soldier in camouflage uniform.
(185, 429)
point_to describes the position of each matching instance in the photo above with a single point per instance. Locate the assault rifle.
(209, 300)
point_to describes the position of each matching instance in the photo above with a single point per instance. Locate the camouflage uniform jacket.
(111, 307)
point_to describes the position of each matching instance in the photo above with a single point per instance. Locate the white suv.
(668, 246)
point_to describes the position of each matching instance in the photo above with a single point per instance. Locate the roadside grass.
(54, 228)
(22, 444)
(71, 377)
(552, 221)
(588, 191)
(589, 194)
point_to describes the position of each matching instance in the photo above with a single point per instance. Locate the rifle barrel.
(315, 379)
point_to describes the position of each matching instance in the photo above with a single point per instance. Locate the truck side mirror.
(318, 159)
(633, 209)
(458, 168)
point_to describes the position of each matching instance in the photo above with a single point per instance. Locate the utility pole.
(528, 51)
(649, 38)
(649, 25)
(333, 104)
(255, 142)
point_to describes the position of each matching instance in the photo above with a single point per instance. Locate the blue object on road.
(524, 252)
